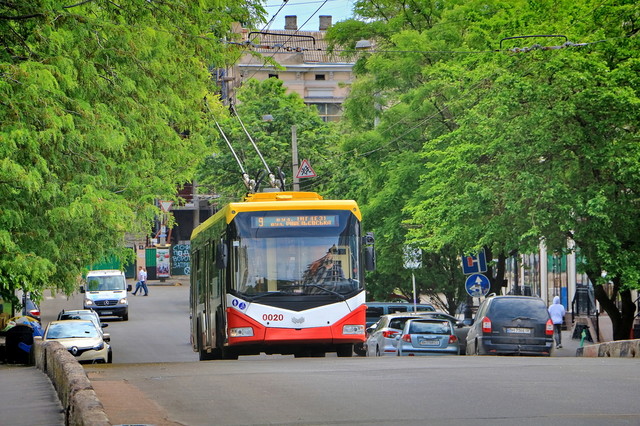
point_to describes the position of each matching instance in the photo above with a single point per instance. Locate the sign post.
(476, 285)
(413, 261)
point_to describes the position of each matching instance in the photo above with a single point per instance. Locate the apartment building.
(319, 77)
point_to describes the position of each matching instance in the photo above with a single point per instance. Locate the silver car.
(82, 339)
(461, 329)
(428, 336)
(381, 340)
(82, 314)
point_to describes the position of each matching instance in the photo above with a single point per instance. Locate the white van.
(106, 293)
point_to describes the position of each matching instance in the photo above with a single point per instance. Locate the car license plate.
(106, 313)
(429, 342)
(518, 330)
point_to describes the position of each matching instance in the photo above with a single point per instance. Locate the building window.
(319, 76)
(328, 112)
(273, 76)
(320, 93)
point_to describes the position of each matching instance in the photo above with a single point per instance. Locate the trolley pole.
(294, 157)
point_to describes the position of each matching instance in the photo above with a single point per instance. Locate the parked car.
(381, 339)
(377, 309)
(461, 329)
(82, 339)
(82, 314)
(511, 325)
(428, 336)
(28, 307)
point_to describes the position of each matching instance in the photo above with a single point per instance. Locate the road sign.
(165, 206)
(474, 263)
(412, 257)
(477, 285)
(305, 170)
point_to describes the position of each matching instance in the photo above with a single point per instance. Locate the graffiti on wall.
(181, 259)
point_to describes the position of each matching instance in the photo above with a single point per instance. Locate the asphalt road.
(157, 330)
(156, 379)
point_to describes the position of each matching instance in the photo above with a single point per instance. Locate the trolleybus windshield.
(296, 253)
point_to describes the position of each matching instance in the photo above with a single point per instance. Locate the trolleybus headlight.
(353, 329)
(241, 332)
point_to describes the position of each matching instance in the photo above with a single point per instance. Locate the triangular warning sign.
(165, 205)
(305, 170)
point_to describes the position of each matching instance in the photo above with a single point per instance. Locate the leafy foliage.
(272, 136)
(102, 112)
(510, 144)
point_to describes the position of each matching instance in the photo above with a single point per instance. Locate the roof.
(311, 44)
(105, 272)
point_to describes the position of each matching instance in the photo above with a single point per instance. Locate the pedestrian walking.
(556, 312)
(142, 282)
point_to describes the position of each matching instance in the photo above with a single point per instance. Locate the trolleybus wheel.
(345, 350)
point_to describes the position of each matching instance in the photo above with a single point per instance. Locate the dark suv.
(511, 325)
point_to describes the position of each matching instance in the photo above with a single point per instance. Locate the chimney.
(291, 22)
(325, 22)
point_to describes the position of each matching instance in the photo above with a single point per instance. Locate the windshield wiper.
(260, 296)
(335, 293)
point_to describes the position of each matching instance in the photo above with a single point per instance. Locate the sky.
(303, 9)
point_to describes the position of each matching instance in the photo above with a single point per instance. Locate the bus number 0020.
(272, 317)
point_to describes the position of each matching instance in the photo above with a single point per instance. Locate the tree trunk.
(621, 320)
(497, 283)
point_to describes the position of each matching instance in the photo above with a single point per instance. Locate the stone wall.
(79, 400)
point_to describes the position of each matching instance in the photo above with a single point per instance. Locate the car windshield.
(69, 330)
(101, 283)
(429, 327)
(277, 256)
(525, 308)
(398, 323)
(79, 316)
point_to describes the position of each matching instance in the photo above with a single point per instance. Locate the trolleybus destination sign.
(293, 221)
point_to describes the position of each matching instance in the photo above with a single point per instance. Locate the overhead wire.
(264, 63)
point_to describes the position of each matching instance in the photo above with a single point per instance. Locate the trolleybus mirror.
(369, 258)
(221, 256)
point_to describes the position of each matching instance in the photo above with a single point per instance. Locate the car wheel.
(377, 350)
(110, 357)
(476, 350)
(125, 317)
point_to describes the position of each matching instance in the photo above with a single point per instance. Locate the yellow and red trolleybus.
(279, 273)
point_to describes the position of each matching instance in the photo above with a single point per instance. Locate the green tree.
(272, 136)
(101, 105)
(538, 142)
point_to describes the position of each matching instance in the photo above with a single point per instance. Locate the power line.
(291, 36)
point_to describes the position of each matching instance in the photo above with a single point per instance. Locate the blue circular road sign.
(477, 285)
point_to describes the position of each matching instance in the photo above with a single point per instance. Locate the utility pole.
(294, 157)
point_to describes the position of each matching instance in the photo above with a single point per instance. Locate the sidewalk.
(27, 397)
(175, 280)
(569, 345)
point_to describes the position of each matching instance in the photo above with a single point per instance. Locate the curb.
(617, 349)
(79, 401)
